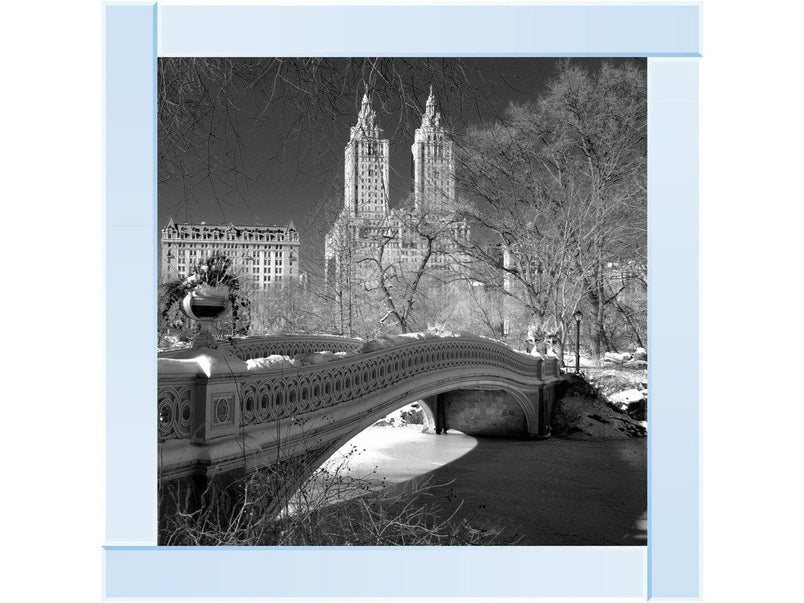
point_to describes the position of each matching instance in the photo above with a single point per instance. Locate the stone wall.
(484, 413)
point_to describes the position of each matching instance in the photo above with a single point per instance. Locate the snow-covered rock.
(577, 417)
(640, 354)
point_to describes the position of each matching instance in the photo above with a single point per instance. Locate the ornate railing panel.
(175, 407)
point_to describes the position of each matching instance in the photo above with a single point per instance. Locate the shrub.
(330, 508)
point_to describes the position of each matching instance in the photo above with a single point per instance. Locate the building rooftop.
(290, 226)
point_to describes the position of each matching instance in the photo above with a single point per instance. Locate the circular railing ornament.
(205, 305)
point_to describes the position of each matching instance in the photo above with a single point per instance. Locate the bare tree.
(410, 257)
(559, 195)
(600, 121)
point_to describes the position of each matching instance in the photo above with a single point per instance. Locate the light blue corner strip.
(130, 173)
(673, 416)
(544, 30)
(135, 568)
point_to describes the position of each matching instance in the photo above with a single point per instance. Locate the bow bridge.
(218, 413)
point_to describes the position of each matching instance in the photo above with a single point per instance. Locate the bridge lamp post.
(577, 316)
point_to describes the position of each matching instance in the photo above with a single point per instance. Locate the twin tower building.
(366, 227)
(366, 160)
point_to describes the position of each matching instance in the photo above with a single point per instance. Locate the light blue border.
(673, 419)
(131, 280)
(356, 31)
(233, 572)
(133, 567)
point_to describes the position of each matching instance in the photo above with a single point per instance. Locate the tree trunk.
(632, 327)
(597, 299)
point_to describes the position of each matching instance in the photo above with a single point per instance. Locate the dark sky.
(294, 174)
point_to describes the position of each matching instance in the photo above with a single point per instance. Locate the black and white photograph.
(402, 301)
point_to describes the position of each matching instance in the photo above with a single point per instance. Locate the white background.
(52, 523)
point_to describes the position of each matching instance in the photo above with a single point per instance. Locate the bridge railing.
(200, 408)
(290, 345)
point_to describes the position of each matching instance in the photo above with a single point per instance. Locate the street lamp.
(577, 316)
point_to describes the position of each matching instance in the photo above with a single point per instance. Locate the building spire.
(431, 116)
(367, 118)
(433, 164)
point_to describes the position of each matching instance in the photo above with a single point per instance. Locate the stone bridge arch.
(527, 405)
(217, 417)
